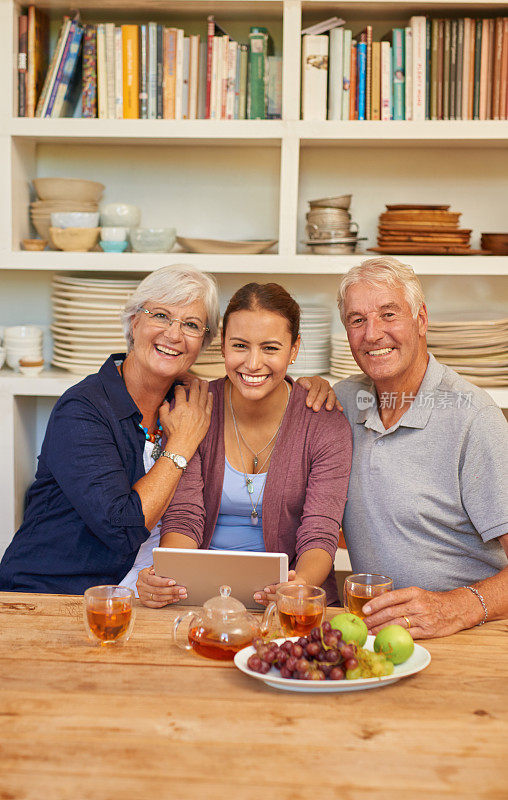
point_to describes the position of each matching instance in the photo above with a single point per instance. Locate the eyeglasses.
(163, 321)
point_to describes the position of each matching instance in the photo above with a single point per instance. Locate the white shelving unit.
(235, 179)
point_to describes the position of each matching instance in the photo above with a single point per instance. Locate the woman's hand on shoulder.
(267, 595)
(186, 424)
(319, 393)
(156, 592)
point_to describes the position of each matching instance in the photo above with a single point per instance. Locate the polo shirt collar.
(418, 413)
(120, 399)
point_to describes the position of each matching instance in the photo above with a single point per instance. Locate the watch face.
(180, 461)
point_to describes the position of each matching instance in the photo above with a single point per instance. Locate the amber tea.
(358, 589)
(300, 624)
(108, 614)
(223, 649)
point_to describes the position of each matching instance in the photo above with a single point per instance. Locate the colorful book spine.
(460, 62)
(361, 56)
(203, 49)
(118, 74)
(477, 68)
(398, 66)
(22, 63)
(447, 38)
(69, 70)
(152, 70)
(346, 80)
(376, 81)
(428, 67)
(408, 74)
(225, 52)
(352, 83)
(170, 73)
(503, 101)
(60, 69)
(194, 48)
(434, 69)
(209, 59)
(418, 27)
(143, 72)
(186, 77)
(130, 53)
(386, 81)
(110, 68)
(258, 53)
(37, 61)
(179, 74)
(274, 91)
(244, 66)
(89, 79)
(336, 78)
(159, 72)
(453, 67)
(102, 75)
(466, 67)
(368, 73)
(498, 59)
(440, 57)
(490, 68)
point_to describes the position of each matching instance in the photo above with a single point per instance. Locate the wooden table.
(151, 721)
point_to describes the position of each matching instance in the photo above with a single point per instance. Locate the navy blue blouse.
(84, 523)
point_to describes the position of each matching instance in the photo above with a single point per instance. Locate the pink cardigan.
(305, 489)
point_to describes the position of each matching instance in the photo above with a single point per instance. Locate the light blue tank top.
(234, 529)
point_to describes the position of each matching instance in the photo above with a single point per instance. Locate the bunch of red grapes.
(320, 655)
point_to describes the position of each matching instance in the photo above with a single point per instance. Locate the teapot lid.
(224, 604)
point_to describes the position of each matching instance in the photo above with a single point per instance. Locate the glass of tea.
(109, 614)
(358, 589)
(300, 608)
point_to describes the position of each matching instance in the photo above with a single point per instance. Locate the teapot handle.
(189, 615)
(266, 622)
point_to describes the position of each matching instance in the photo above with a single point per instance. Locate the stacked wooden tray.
(422, 229)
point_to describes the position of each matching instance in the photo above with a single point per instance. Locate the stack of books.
(147, 71)
(421, 229)
(440, 69)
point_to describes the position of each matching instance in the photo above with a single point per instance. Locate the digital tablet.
(203, 572)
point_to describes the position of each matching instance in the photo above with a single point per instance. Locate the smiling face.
(257, 350)
(166, 352)
(387, 343)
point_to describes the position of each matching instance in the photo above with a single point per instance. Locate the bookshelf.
(235, 179)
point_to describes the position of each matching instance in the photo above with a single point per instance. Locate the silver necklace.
(248, 480)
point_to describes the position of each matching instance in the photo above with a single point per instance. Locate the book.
(386, 81)
(258, 53)
(224, 76)
(503, 101)
(179, 74)
(376, 81)
(110, 68)
(185, 77)
(50, 100)
(230, 78)
(477, 68)
(398, 66)
(440, 56)
(453, 67)
(361, 79)
(466, 67)
(274, 88)
(367, 38)
(118, 74)
(102, 77)
(408, 73)
(335, 73)
(484, 64)
(22, 62)
(89, 75)
(209, 58)
(490, 68)
(170, 35)
(447, 38)
(498, 58)
(460, 62)
(472, 40)
(202, 83)
(37, 56)
(143, 72)
(194, 53)
(323, 27)
(346, 71)
(242, 90)
(69, 71)
(152, 70)
(352, 82)
(130, 54)
(53, 69)
(428, 66)
(418, 28)
(159, 72)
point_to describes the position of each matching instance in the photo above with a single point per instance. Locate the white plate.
(225, 246)
(102, 282)
(416, 662)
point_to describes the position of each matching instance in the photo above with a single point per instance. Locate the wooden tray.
(413, 249)
(416, 206)
(423, 227)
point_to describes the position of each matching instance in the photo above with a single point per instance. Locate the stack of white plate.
(474, 344)
(342, 363)
(210, 363)
(314, 355)
(86, 321)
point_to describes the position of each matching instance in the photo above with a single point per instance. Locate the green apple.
(353, 628)
(395, 642)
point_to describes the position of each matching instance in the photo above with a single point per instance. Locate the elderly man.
(428, 493)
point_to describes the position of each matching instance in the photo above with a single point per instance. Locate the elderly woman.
(100, 489)
(269, 475)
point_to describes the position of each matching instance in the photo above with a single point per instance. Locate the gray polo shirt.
(428, 497)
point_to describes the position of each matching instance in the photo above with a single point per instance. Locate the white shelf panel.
(429, 133)
(53, 382)
(157, 131)
(261, 264)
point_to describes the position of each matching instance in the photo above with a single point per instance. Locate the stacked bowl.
(57, 195)
(329, 228)
(22, 341)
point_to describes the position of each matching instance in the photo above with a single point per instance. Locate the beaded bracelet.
(482, 601)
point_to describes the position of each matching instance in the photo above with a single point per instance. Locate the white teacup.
(26, 333)
(109, 234)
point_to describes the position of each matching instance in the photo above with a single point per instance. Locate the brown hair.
(267, 296)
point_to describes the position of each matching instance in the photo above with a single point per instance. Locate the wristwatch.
(179, 461)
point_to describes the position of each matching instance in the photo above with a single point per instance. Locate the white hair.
(179, 284)
(384, 271)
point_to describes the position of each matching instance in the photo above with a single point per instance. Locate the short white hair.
(179, 284)
(384, 271)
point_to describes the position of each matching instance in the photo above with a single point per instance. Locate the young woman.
(270, 475)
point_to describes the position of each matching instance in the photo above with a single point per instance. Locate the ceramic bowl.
(113, 234)
(23, 333)
(120, 214)
(74, 239)
(34, 244)
(31, 366)
(153, 240)
(74, 219)
(68, 188)
(114, 247)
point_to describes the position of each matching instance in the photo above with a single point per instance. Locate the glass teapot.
(220, 629)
